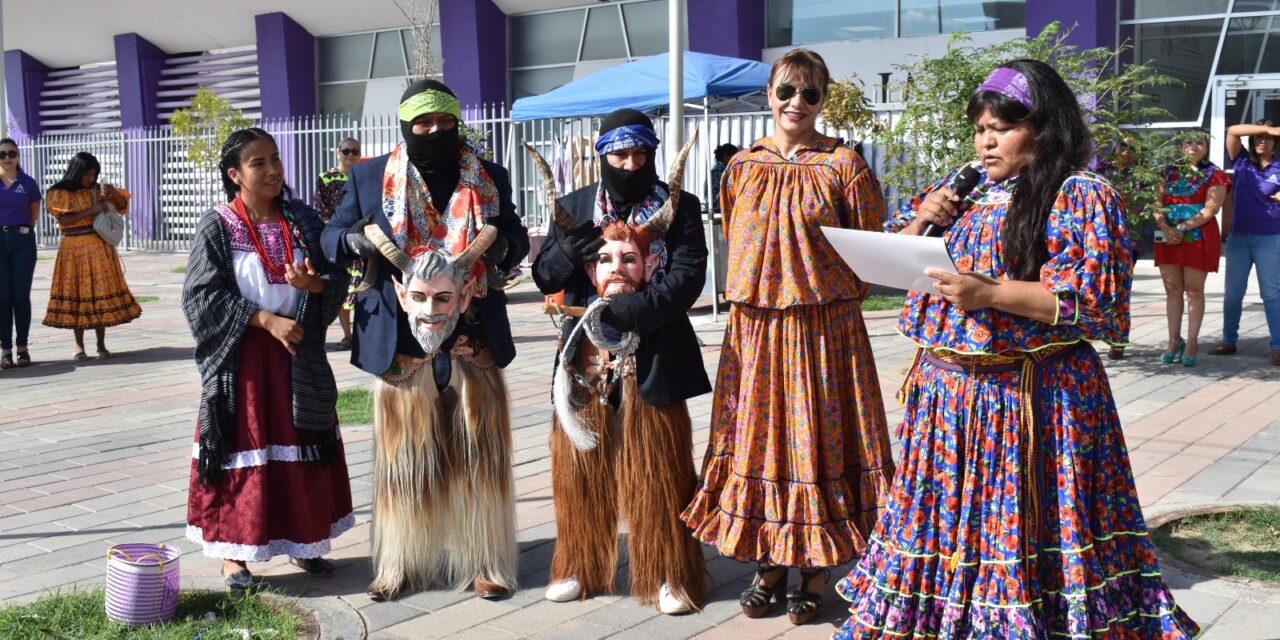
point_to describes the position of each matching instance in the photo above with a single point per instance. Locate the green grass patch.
(1244, 542)
(46, 256)
(82, 615)
(882, 303)
(355, 406)
(142, 299)
(182, 269)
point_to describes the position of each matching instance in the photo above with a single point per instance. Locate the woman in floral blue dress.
(1013, 512)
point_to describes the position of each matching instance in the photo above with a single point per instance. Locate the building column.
(24, 81)
(473, 37)
(1092, 22)
(138, 67)
(733, 28)
(286, 67)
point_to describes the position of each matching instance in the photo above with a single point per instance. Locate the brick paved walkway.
(95, 453)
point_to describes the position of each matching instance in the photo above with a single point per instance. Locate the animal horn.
(388, 249)
(656, 227)
(564, 220)
(468, 257)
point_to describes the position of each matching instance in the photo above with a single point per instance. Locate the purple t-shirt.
(1254, 212)
(15, 201)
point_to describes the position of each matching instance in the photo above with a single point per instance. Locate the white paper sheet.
(891, 259)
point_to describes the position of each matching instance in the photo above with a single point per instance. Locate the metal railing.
(169, 192)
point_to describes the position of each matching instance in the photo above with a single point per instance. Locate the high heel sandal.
(1170, 357)
(804, 605)
(758, 599)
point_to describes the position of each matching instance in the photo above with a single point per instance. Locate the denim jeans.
(1245, 252)
(17, 268)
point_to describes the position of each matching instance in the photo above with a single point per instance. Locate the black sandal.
(239, 582)
(24, 358)
(804, 605)
(6, 361)
(758, 599)
(315, 567)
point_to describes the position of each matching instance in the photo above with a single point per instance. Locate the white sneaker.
(669, 604)
(564, 590)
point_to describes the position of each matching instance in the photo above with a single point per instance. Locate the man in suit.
(631, 249)
(449, 442)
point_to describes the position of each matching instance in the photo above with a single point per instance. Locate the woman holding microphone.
(1013, 512)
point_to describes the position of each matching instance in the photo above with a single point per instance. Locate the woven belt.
(1029, 363)
(78, 231)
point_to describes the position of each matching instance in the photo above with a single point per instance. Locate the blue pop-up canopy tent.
(643, 85)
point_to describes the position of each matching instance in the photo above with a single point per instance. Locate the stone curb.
(1231, 586)
(338, 620)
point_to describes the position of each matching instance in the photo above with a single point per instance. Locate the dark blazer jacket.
(669, 365)
(379, 323)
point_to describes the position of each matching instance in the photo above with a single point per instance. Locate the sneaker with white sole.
(564, 590)
(669, 604)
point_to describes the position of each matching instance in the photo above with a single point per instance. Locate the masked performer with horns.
(443, 506)
(632, 250)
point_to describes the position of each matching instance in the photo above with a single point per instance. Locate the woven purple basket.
(142, 583)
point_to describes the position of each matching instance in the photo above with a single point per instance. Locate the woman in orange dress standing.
(799, 451)
(88, 289)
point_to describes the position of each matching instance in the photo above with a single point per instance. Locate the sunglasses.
(349, 152)
(810, 95)
(5, 155)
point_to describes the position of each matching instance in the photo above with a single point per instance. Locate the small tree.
(421, 14)
(848, 108)
(203, 126)
(934, 135)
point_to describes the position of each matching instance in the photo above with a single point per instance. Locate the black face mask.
(627, 188)
(431, 152)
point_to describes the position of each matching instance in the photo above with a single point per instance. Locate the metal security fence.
(169, 192)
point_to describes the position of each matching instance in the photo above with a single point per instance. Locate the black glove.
(618, 314)
(357, 243)
(582, 243)
(496, 251)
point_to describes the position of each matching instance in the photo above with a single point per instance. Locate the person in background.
(798, 457)
(19, 208)
(1013, 513)
(1118, 168)
(723, 154)
(329, 189)
(1192, 193)
(1254, 241)
(270, 475)
(88, 289)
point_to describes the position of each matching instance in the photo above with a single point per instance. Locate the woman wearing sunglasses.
(19, 208)
(329, 189)
(799, 451)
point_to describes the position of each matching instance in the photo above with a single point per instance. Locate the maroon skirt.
(1202, 254)
(267, 501)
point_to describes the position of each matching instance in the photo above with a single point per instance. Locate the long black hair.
(4, 141)
(230, 158)
(81, 163)
(1249, 142)
(1061, 144)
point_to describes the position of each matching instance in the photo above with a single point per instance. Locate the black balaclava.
(432, 153)
(627, 188)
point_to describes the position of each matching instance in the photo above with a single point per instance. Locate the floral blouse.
(1090, 270)
(1186, 189)
(329, 189)
(773, 208)
(61, 202)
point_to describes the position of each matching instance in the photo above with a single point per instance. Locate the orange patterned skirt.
(88, 289)
(799, 461)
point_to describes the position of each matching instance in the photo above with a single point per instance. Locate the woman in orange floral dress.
(88, 290)
(799, 451)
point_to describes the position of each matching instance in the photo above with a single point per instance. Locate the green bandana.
(429, 101)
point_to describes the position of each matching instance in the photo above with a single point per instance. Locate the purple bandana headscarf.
(1010, 83)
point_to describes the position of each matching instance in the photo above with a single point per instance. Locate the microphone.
(962, 184)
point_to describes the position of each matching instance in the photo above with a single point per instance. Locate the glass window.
(929, 17)
(646, 27)
(345, 98)
(1143, 9)
(532, 82)
(345, 57)
(796, 22)
(1252, 46)
(388, 56)
(603, 40)
(1183, 50)
(545, 38)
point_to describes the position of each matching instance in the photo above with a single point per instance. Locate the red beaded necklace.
(271, 267)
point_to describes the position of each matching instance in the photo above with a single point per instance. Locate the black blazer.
(381, 328)
(669, 365)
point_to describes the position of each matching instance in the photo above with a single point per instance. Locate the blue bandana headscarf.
(626, 137)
